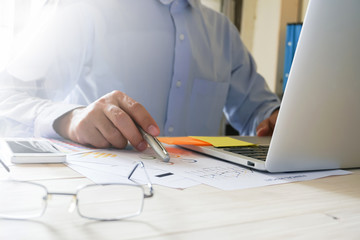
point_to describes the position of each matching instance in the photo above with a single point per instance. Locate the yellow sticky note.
(224, 141)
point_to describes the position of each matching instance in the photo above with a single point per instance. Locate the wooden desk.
(327, 208)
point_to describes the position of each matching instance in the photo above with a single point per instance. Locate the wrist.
(62, 124)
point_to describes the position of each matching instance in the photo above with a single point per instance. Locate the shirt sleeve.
(27, 114)
(249, 100)
(35, 84)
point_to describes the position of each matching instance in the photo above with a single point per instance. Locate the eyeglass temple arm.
(3, 164)
(141, 164)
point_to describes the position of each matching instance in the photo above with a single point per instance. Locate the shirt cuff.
(43, 125)
(271, 110)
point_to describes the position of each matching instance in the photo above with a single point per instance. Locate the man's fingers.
(266, 127)
(273, 118)
(263, 128)
(137, 113)
(111, 133)
(91, 128)
(94, 138)
(125, 124)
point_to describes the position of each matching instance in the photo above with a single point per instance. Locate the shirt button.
(178, 84)
(181, 37)
(171, 129)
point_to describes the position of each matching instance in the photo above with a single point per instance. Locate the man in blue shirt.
(171, 66)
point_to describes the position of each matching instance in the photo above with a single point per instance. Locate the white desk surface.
(327, 208)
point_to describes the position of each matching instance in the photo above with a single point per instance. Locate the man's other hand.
(266, 127)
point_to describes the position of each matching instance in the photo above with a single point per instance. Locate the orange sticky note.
(183, 141)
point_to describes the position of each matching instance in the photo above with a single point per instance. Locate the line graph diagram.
(220, 172)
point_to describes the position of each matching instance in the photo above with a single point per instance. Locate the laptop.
(318, 126)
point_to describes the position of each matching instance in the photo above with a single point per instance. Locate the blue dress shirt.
(183, 61)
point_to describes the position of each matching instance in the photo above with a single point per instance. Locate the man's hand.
(266, 127)
(108, 122)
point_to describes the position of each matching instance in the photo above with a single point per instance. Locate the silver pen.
(155, 144)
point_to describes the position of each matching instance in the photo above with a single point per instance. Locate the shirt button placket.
(177, 94)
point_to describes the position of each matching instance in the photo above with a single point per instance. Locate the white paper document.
(106, 166)
(185, 169)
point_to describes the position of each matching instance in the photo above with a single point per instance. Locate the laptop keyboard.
(257, 152)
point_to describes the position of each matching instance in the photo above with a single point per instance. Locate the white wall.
(263, 31)
(266, 37)
(248, 22)
(214, 4)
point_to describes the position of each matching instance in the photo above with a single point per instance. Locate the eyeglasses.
(105, 202)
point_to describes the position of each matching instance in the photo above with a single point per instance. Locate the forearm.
(35, 113)
(249, 103)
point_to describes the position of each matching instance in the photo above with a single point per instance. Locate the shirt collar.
(193, 3)
(166, 2)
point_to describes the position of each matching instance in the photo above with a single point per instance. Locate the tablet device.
(23, 150)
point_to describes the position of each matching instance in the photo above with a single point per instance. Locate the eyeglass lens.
(21, 200)
(24, 200)
(114, 201)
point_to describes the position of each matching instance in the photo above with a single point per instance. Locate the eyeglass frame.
(74, 195)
